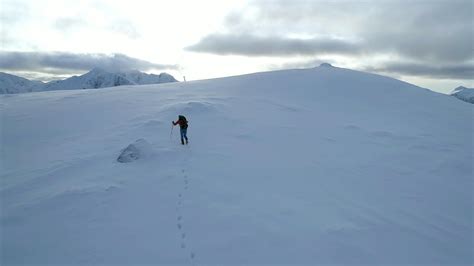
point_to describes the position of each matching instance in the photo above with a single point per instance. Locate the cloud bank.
(252, 45)
(64, 62)
(427, 30)
(421, 38)
(455, 71)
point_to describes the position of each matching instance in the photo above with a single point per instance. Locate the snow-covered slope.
(323, 166)
(94, 79)
(463, 93)
(14, 84)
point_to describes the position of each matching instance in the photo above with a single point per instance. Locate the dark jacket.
(182, 123)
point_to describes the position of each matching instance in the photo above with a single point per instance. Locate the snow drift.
(134, 151)
(310, 166)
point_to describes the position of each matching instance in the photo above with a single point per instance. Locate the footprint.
(180, 217)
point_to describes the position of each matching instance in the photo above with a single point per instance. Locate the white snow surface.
(323, 166)
(463, 93)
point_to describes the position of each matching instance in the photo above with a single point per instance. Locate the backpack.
(184, 123)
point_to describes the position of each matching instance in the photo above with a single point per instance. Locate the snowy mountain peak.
(94, 79)
(138, 77)
(460, 88)
(464, 94)
(325, 65)
(14, 84)
(97, 70)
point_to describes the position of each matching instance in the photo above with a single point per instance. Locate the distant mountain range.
(94, 79)
(463, 93)
(14, 84)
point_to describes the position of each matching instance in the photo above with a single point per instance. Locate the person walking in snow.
(183, 128)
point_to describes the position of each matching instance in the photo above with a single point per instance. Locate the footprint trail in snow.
(180, 217)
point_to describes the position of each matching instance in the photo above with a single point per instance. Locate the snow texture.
(134, 151)
(322, 166)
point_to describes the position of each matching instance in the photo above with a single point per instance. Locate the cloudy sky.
(426, 42)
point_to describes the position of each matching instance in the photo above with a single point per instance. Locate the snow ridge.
(94, 79)
(14, 84)
(464, 94)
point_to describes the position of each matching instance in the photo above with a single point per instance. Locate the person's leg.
(183, 133)
(186, 135)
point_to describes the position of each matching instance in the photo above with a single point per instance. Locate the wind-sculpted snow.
(323, 166)
(134, 151)
(196, 107)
